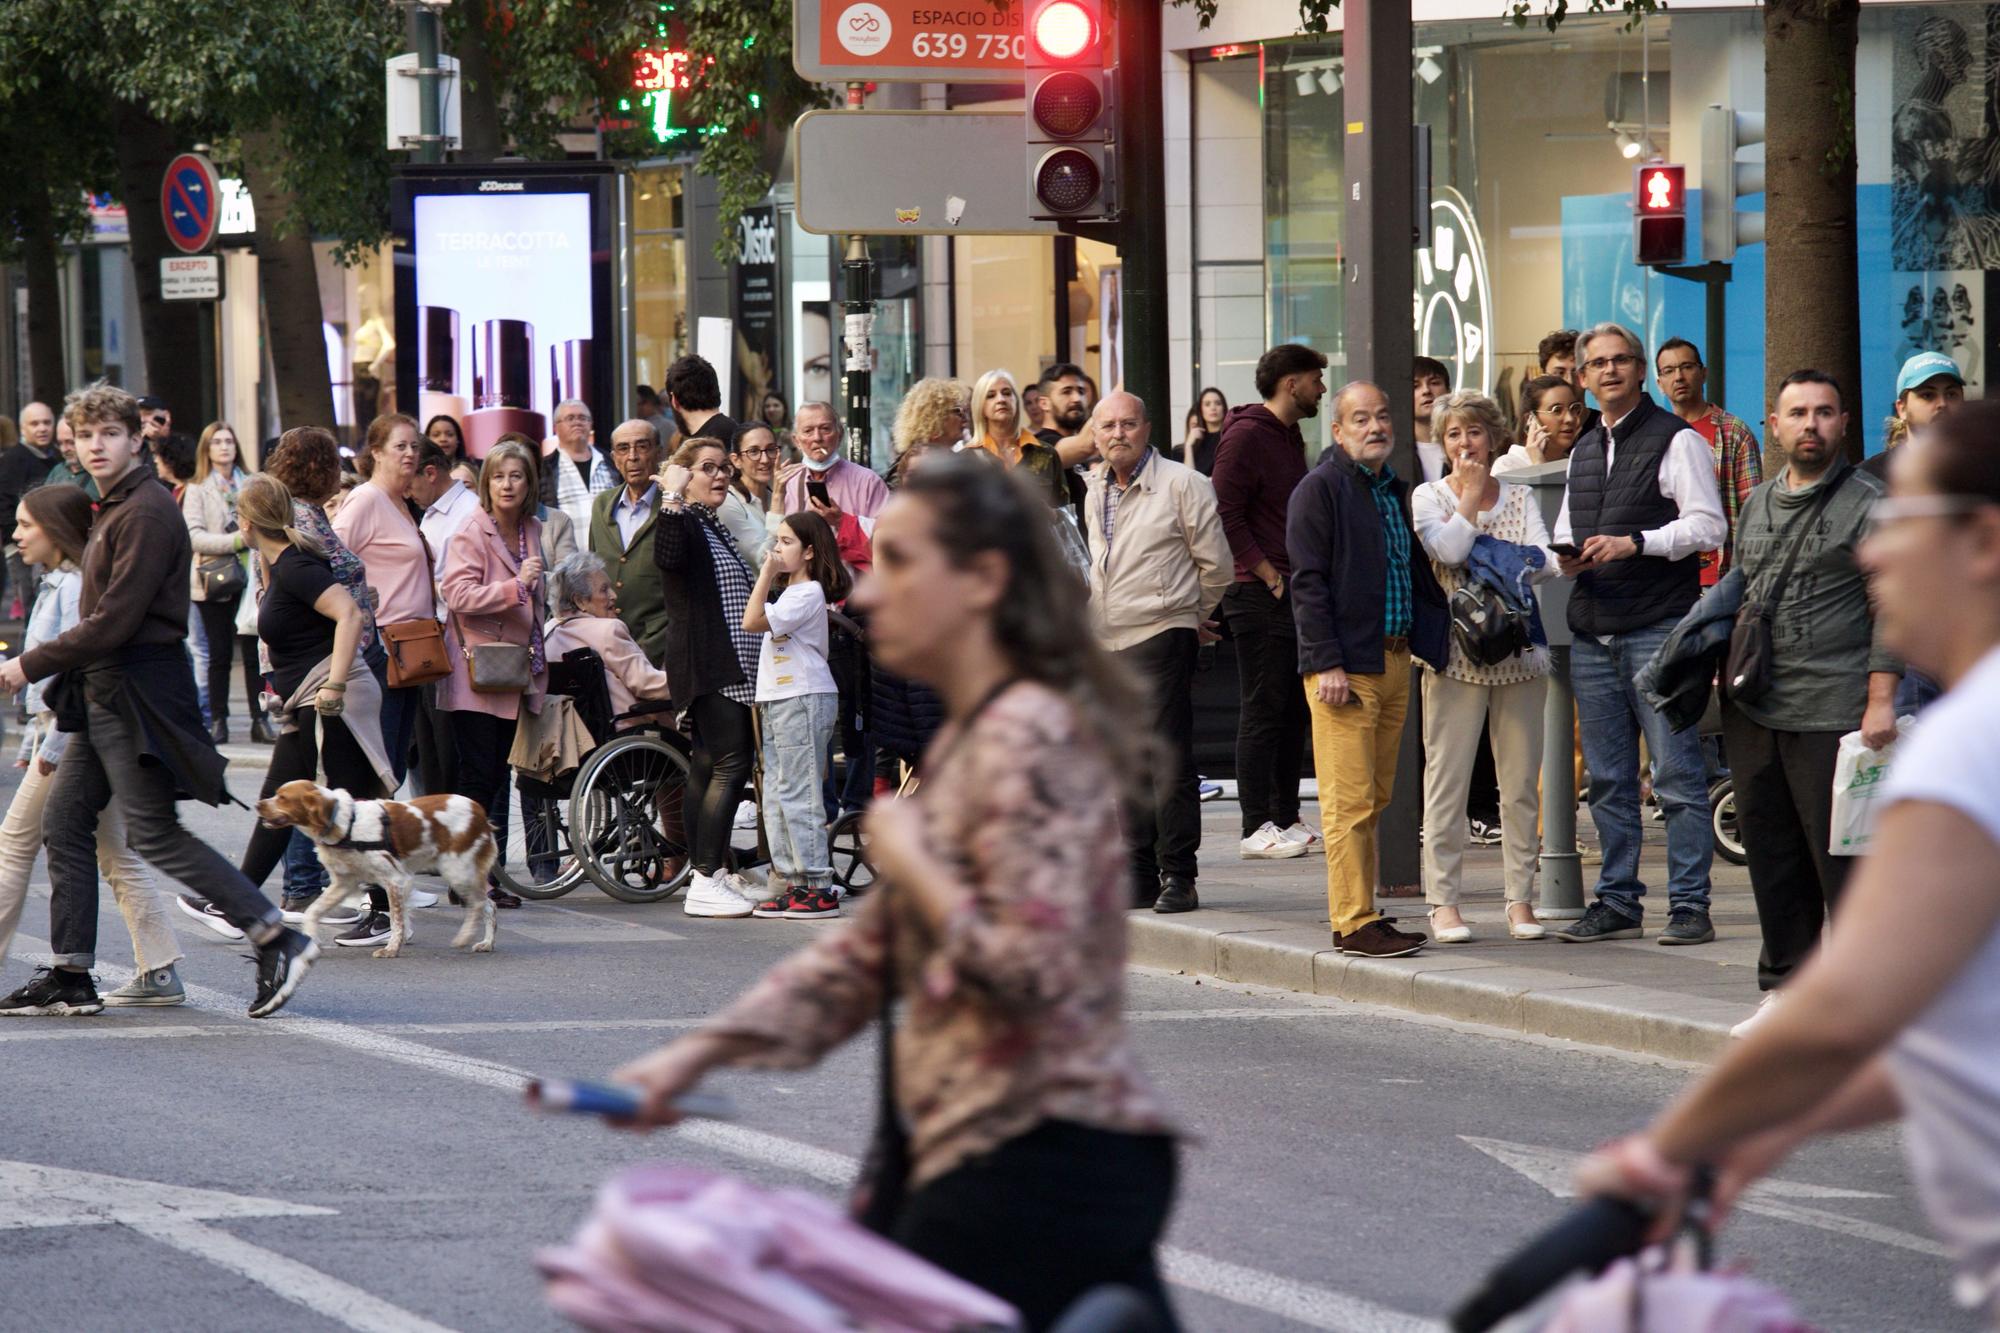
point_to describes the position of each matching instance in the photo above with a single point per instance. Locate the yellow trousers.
(1354, 756)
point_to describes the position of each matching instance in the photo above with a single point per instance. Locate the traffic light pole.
(857, 331)
(1142, 224)
(1714, 276)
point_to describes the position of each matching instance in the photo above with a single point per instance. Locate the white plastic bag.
(1858, 775)
(1633, 1298)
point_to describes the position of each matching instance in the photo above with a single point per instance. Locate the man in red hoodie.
(1261, 458)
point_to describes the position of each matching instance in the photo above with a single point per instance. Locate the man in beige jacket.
(1159, 565)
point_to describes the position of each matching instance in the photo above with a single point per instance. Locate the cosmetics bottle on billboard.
(569, 372)
(503, 385)
(438, 365)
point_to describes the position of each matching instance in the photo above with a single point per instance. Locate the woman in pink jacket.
(492, 588)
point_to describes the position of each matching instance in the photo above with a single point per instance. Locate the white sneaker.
(1301, 833)
(421, 898)
(1269, 843)
(737, 884)
(712, 897)
(746, 815)
(1764, 1008)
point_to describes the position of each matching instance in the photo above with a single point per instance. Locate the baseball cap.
(152, 403)
(1926, 366)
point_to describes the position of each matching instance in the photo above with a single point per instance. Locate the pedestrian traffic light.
(1724, 181)
(1071, 121)
(1659, 213)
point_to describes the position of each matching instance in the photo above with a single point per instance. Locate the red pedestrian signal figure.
(1072, 118)
(1659, 192)
(1659, 214)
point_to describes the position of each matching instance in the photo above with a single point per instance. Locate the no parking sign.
(190, 202)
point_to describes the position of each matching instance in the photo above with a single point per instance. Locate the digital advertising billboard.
(510, 295)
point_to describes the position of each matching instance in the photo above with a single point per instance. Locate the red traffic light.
(1660, 190)
(1064, 30)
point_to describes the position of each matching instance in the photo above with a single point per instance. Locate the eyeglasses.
(767, 451)
(1901, 508)
(719, 470)
(632, 450)
(1602, 363)
(1574, 411)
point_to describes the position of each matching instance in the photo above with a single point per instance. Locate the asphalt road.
(1329, 1182)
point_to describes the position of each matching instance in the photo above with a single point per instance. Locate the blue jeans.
(796, 732)
(1611, 715)
(198, 655)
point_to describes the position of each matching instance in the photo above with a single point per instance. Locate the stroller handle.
(1587, 1239)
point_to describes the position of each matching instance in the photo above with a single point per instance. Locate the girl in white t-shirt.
(797, 704)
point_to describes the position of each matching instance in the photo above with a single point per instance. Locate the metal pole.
(1142, 246)
(424, 23)
(1717, 350)
(1378, 224)
(1562, 867)
(857, 361)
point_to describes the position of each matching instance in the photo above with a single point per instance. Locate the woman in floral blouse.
(1042, 1163)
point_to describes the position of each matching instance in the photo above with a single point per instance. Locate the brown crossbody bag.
(417, 655)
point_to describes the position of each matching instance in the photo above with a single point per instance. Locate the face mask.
(823, 464)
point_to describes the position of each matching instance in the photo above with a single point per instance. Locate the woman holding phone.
(1551, 419)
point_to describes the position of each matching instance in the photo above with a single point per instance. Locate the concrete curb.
(1242, 947)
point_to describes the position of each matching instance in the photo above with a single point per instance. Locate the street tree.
(54, 151)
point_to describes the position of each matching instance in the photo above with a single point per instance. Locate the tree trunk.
(40, 257)
(290, 283)
(170, 331)
(479, 105)
(1812, 298)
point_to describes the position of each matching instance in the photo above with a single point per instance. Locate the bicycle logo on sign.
(864, 30)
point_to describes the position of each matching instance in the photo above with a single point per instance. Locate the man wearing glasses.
(577, 471)
(1640, 506)
(621, 535)
(1739, 461)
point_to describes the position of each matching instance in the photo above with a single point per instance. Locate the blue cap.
(1926, 366)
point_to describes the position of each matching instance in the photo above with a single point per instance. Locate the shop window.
(659, 268)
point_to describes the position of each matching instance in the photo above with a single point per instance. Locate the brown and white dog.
(381, 842)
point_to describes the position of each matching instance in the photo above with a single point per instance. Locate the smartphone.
(817, 491)
(1567, 550)
(614, 1101)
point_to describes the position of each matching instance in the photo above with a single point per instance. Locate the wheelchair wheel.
(851, 870)
(537, 861)
(626, 818)
(1722, 818)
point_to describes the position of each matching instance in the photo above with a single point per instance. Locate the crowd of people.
(1034, 578)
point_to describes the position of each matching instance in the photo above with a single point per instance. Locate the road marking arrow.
(1555, 1171)
(32, 1195)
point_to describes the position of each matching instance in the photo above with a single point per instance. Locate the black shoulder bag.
(1747, 671)
(883, 1186)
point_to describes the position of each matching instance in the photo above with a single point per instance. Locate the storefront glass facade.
(1530, 226)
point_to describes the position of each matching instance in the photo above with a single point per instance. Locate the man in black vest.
(1640, 507)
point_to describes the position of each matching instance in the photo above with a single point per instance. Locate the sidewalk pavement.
(1265, 923)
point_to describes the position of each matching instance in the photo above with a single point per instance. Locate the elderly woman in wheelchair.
(614, 815)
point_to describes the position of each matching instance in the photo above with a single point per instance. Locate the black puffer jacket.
(902, 716)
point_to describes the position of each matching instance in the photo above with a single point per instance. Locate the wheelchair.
(615, 820)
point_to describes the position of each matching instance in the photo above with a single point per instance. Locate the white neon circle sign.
(1453, 302)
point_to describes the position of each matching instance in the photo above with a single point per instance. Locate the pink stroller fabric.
(676, 1249)
(1631, 1298)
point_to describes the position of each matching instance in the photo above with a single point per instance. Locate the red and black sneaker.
(809, 903)
(778, 905)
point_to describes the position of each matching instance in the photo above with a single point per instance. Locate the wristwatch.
(1638, 543)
